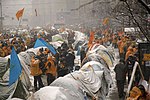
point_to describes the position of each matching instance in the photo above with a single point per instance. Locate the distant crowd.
(62, 63)
(53, 66)
(128, 52)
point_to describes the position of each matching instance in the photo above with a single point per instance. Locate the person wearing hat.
(138, 93)
(130, 61)
(129, 52)
(120, 71)
(42, 58)
(51, 70)
(36, 73)
(70, 57)
(135, 93)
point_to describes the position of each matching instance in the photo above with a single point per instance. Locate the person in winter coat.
(82, 54)
(129, 52)
(42, 57)
(2, 53)
(51, 71)
(120, 77)
(62, 67)
(139, 93)
(70, 57)
(120, 47)
(130, 64)
(36, 73)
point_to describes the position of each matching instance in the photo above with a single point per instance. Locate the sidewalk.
(113, 93)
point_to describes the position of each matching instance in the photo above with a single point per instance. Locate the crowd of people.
(53, 66)
(7, 41)
(128, 52)
(44, 62)
(22, 41)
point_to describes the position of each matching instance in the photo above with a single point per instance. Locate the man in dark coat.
(70, 57)
(82, 54)
(120, 71)
(129, 65)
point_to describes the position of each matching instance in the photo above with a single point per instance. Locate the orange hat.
(135, 93)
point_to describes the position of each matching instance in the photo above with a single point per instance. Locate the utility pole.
(1, 17)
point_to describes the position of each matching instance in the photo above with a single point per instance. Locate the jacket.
(129, 52)
(34, 67)
(120, 71)
(50, 66)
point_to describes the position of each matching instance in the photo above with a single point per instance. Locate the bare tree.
(132, 14)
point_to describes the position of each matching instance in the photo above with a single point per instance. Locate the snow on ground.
(113, 93)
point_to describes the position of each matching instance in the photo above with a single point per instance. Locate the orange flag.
(105, 21)
(19, 13)
(91, 38)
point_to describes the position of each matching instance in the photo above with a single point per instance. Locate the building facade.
(41, 12)
(49, 12)
(9, 10)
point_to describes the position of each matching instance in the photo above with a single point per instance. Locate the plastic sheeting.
(24, 80)
(56, 38)
(56, 44)
(80, 38)
(106, 79)
(3, 65)
(94, 81)
(54, 93)
(104, 53)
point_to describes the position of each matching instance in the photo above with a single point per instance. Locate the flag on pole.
(105, 21)
(91, 38)
(15, 67)
(35, 12)
(19, 13)
(40, 42)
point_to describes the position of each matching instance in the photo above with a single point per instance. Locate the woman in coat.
(36, 73)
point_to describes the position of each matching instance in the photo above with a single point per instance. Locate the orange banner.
(105, 21)
(91, 38)
(19, 13)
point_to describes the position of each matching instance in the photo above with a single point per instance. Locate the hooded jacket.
(34, 67)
